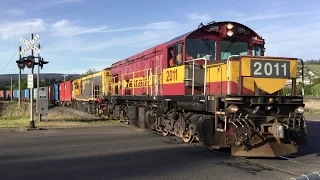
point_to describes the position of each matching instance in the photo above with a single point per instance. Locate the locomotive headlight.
(229, 26)
(229, 33)
(299, 110)
(233, 108)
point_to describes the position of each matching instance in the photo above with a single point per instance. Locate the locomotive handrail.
(302, 78)
(205, 74)
(156, 80)
(145, 71)
(228, 72)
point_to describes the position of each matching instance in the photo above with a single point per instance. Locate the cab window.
(175, 54)
(199, 48)
(256, 50)
(228, 48)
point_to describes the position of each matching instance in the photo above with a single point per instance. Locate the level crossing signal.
(29, 61)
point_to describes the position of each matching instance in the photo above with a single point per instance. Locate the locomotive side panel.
(173, 79)
(140, 76)
(224, 80)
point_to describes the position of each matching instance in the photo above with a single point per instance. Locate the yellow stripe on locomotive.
(269, 74)
(174, 75)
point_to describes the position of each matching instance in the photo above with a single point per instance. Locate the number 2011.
(172, 75)
(268, 69)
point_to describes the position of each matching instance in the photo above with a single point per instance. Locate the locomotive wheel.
(187, 138)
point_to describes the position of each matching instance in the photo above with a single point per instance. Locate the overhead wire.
(9, 61)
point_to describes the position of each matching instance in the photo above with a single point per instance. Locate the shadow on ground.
(313, 147)
(129, 165)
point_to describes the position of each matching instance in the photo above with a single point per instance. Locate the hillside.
(57, 76)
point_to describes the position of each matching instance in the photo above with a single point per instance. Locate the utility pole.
(19, 79)
(32, 125)
(38, 83)
(11, 88)
(64, 77)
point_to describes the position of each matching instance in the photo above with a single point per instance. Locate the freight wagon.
(2, 94)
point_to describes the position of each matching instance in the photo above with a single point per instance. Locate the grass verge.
(312, 107)
(24, 123)
(11, 116)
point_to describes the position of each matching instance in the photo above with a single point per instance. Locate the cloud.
(273, 15)
(204, 18)
(17, 29)
(13, 12)
(66, 28)
(148, 34)
(296, 42)
(48, 3)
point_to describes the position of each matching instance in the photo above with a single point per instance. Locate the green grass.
(24, 123)
(313, 67)
(13, 117)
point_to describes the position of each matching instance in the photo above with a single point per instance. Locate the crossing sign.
(30, 81)
(30, 45)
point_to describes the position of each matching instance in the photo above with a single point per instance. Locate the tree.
(89, 71)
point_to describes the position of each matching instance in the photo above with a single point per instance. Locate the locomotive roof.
(179, 38)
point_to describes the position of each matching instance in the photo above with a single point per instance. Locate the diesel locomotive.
(212, 84)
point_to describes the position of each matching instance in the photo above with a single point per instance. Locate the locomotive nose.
(269, 74)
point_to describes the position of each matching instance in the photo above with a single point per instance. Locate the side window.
(256, 50)
(175, 55)
(171, 58)
(179, 53)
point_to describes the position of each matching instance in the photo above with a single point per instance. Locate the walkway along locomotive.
(213, 84)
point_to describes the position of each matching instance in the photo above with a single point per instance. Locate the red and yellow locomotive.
(214, 85)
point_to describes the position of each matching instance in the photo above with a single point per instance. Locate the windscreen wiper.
(208, 45)
(228, 47)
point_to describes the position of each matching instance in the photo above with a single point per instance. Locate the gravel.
(67, 114)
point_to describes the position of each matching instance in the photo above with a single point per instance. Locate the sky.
(76, 35)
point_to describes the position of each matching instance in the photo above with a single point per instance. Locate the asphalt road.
(122, 152)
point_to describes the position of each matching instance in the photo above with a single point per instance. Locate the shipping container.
(68, 91)
(61, 92)
(65, 91)
(1, 94)
(16, 94)
(56, 92)
(8, 94)
(50, 93)
(22, 95)
(27, 93)
(35, 93)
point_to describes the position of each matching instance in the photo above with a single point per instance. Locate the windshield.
(228, 48)
(198, 48)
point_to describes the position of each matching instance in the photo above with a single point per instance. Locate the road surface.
(121, 152)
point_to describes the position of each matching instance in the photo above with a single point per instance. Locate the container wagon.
(2, 95)
(56, 93)
(8, 94)
(27, 94)
(50, 93)
(15, 94)
(65, 91)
